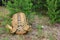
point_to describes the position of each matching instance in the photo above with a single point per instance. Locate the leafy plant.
(37, 4)
(19, 6)
(53, 13)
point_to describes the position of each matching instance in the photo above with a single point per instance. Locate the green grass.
(40, 32)
(51, 37)
(1, 30)
(6, 38)
(0, 13)
(21, 37)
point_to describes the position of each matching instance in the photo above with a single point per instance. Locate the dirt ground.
(49, 32)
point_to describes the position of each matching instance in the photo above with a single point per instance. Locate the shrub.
(53, 13)
(38, 4)
(19, 6)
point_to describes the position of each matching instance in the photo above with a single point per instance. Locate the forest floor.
(48, 31)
